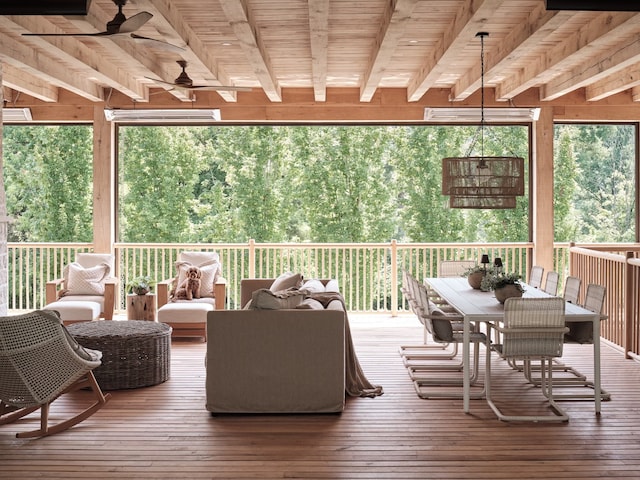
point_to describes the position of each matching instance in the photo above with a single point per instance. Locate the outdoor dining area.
(527, 329)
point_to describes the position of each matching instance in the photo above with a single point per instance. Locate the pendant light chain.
(482, 35)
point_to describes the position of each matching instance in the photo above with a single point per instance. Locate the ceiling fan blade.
(96, 34)
(225, 88)
(132, 24)
(152, 42)
(204, 87)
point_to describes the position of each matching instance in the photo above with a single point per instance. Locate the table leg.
(466, 367)
(597, 390)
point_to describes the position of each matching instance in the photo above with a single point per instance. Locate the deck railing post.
(394, 278)
(252, 258)
(627, 303)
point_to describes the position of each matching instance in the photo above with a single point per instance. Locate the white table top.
(477, 305)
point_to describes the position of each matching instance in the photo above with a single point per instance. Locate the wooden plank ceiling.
(317, 48)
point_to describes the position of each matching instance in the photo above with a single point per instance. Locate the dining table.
(481, 306)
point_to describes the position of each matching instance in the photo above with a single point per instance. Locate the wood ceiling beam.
(49, 69)
(520, 41)
(77, 55)
(615, 83)
(392, 28)
(32, 85)
(244, 27)
(469, 20)
(608, 69)
(567, 53)
(172, 27)
(319, 38)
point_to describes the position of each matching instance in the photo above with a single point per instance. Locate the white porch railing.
(369, 273)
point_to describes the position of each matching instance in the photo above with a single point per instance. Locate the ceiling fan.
(185, 82)
(119, 25)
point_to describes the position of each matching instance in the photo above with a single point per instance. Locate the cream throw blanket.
(357, 384)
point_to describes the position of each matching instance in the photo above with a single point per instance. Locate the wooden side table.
(141, 307)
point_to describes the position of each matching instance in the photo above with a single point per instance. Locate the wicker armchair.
(39, 362)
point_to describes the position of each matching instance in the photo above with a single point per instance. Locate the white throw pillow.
(86, 281)
(209, 270)
(313, 286)
(332, 286)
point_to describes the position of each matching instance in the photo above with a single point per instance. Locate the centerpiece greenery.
(476, 274)
(140, 285)
(504, 285)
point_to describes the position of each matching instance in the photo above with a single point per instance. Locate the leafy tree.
(159, 171)
(48, 182)
(564, 186)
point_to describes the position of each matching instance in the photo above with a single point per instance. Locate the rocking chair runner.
(40, 361)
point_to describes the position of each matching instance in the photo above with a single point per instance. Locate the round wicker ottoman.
(135, 353)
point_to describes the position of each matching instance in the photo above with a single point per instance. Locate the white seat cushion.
(187, 312)
(75, 310)
(99, 299)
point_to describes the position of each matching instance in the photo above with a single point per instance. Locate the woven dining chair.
(572, 289)
(551, 285)
(577, 386)
(445, 328)
(535, 276)
(533, 329)
(40, 361)
(427, 350)
(454, 268)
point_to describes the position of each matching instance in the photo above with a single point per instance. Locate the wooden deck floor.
(165, 432)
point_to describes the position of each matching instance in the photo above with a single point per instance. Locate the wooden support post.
(541, 195)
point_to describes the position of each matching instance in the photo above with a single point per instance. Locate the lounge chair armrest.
(51, 289)
(110, 297)
(162, 289)
(220, 292)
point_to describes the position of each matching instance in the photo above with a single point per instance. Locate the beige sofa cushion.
(265, 299)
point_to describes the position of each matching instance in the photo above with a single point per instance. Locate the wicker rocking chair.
(40, 361)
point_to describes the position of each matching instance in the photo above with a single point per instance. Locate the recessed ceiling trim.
(465, 114)
(190, 115)
(13, 115)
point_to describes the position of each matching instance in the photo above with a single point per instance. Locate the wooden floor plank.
(164, 431)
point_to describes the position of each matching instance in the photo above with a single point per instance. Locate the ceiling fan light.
(185, 115)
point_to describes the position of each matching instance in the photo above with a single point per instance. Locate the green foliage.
(48, 182)
(308, 184)
(140, 285)
(494, 281)
(601, 200)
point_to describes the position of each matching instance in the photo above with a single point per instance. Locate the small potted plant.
(140, 285)
(504, 285)
(476, 274)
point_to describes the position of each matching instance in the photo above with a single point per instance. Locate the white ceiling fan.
(184, 81)
(119, 25)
